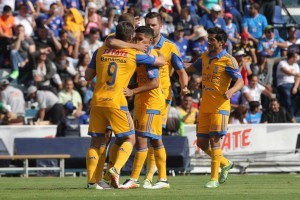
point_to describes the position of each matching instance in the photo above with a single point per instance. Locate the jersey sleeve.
(152, 72)
(198, 65)
(232, 69)
(176, 61)
(145, 59)
(92, 64)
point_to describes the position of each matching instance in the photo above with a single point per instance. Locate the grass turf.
(280, 186)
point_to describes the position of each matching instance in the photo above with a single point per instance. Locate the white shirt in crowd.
(283, 78)
(254, 93)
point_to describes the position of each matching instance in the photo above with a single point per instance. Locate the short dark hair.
(124, 31)
(146, 30)
(256, 6)
(127, 17)
(252, 75)
(152, 15)
(62, 32)
(221, 35)
(7, 9)
(290, 54)
(94, 31)
(253, 105)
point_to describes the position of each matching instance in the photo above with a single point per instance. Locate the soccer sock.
(151, 166)
(101, 162)
(215, 163)
(139, 160)
(160, 160)
(112, 159)
(123, 155)
(223, 162)
(92, 158)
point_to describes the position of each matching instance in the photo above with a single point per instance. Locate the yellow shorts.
(212, 124)
(164, 112)
(120, 121)
(148, 123)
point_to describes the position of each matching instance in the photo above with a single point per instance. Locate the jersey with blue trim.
(153, 99)
(114, 68)
(172, 57)
(217, 73)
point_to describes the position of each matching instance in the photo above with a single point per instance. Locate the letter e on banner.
(245, 138)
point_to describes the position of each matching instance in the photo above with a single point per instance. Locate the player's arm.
(112, 42)
(90, 72)
(146, 59)
(232, 69)
(152, 83)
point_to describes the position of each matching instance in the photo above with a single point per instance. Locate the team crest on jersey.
(216, 69)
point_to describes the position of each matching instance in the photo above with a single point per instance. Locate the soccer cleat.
(130, 184)
(224, 172)
(212, 184)
(91, 185)
(114, 177)
(147, 184)
(161, 184)
(102, 185)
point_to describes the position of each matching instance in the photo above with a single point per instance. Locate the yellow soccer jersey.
(217, 73)
(114, 68)
(172, 56)
(153, 99)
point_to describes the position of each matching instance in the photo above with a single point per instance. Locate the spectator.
(254, 113)
(253, 91)
(85, 118)
(288, 79)
(168, 26)
(277, 114)
(231, 28)
(14, 99)
(7, 22)
(248, 47)
(195, 90)
(255, 23)
(80, 82)
(70, 94)
(213, 19)
(53, 19)
(174, 124)
(238, 116)
(65, 67)
(92, 44)
(21, 48)
(67, 44)
(45, 6)
(44, 44)
(270, 47)
(10, 3)
(88, 94)
(188, 113)
(25, 19)
(68, 4)
(198, 43)
(92, 20)
(292, 35)
(231, 6)
(180, 41)
(49, 107)
(74, 24)
(44, 71)
(206, 5)
(188, 21)
(245, 69)
(69, 125)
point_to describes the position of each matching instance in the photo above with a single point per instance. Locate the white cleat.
(161, 184)
(147, 184)
(130, 184)
(102, 185)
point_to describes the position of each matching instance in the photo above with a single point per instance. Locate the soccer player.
(173, 61)
(113, 69)
(218, 68)
(148, 103)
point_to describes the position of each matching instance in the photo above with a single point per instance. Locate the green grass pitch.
(280, 186)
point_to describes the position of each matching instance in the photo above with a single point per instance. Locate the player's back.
(215, 82)
(114, 68)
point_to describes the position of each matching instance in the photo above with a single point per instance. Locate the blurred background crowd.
(46, 45)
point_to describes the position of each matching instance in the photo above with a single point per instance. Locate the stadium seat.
(278, 17)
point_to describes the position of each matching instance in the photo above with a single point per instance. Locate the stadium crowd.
(46, 46)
